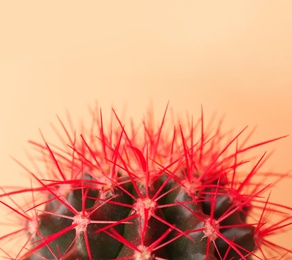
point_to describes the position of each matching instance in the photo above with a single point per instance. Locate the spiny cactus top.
(165, 191)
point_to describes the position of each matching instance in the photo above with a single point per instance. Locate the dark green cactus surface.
(132, 221)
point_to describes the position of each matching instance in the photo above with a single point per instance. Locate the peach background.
(233, 57)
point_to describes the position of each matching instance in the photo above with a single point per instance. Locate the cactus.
(144, 193)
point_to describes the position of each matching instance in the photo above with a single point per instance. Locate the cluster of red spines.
(157, 162)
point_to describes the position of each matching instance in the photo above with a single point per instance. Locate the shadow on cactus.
(156, 191)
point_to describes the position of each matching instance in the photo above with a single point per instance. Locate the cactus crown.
(151, 193)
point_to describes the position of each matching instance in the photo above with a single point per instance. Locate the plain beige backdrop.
(232, 57)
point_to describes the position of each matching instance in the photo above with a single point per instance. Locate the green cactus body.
(146, 197)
